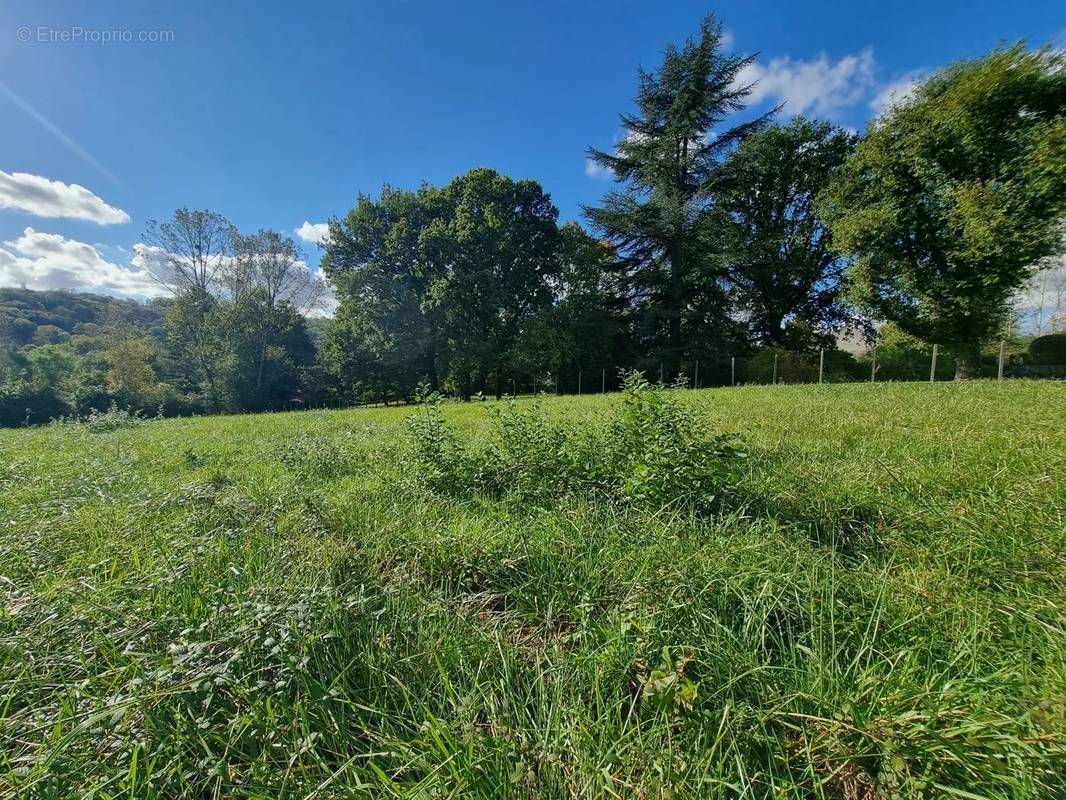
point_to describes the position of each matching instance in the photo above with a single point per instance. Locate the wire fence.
(1002, 361)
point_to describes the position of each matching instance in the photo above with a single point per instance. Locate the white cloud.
(728, 37)
(895, 93)
(42, 261)
(596, 170)
(48, 198)
(314, 232)
(153, 262)
(38, 260)
(820, 86)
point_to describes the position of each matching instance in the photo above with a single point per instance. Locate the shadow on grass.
(827, 517)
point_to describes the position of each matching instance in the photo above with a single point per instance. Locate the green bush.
(111, 419)
(438, 453)
(1048, 350)
(531, 455)
(657, 455)
(651, 454)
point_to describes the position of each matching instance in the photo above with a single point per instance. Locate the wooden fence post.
(1002, 352)
(873, 365)
(732, 370)
(932, 365)
(696, 380)
(821, 363)
(603, 381)
(773, 380)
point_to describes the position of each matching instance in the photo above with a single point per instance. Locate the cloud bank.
(38, 260)
(47, 198)
(820, 86)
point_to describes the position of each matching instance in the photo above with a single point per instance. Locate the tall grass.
(578, 597)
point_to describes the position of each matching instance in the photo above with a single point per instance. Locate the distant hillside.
(33, 317)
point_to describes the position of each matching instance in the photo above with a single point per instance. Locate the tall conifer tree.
(669, 161)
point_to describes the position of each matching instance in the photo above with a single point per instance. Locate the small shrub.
(658, 456)
(318, 457)
(439, 454)
(113, 419)
(530, 456)
(651, 455)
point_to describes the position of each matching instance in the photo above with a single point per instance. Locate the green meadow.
(847, 592)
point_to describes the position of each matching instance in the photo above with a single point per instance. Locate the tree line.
(727, 233)
(231, 337)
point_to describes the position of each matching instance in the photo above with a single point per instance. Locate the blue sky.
(277, 114)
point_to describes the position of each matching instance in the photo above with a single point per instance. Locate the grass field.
(287, 606)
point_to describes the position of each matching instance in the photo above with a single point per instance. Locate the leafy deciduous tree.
(496, 251)
(439, 283)
(954, 196)
(782, 266)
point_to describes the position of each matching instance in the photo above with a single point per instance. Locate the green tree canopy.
(383, 340)
(439, 283)
(497, 250)
(953, 197)
(782, 266)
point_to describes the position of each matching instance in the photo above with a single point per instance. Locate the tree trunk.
(259, 369)
(967, 361)
(673, 357)
(431, 368)
(775, 330)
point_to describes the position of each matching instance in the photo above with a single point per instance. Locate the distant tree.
(585, 328)
(197, 338)
(356, 369)
(439, 283)
(782, 265)
(193, 255)
(496, 251)
(271, 356)
(50, 334)
(382, 340)
(954, 196)
(235, 324)
(192, 251)
(22, 330)
(50, 366)
(669, 160)
(129, 369)
(270, 285)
